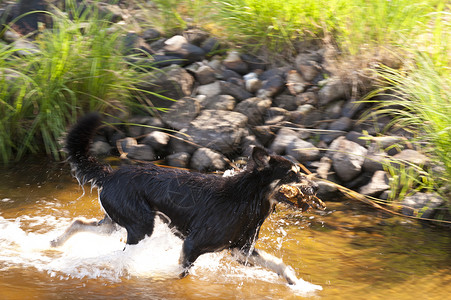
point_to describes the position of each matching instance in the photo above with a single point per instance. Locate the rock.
(24, 47)
(283, 138)
(182, 113)
(163, 61)
(205, 75)
(211, 44)
(337, 128)
(302, 150)
(308, 64)
(387, 143)
(295, 82)
(264, 134)
(328, 191)
(178, 46)
(307, 98)
(375, 161)
(248, 143)
(306, 115)
(412, 156)
(141, 152)
(234, 90)
(125, 145)
(253, 62)
(254, 109)
(221, 102)
(195, 36)
(348, 158)
(334, 89)
(133, 44)
(158, 140)
(251, 82)
(359, 138)
(233, 62)
(324, 168)
(150, 35)
(377, 185)
(178, 160)
(205, 159)
(271, 87)
(151, 124)
(210, 90)
(100, 148)
(173, 82)
(287, 102)
(275, 115)
(333, 109)
(29, 15)
(221, 131)
(352, 108)
(422, 203)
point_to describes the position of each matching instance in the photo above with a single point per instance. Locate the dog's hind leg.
(105, 226)
(261, 258)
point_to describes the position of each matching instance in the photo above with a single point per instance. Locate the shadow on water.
(352, 251)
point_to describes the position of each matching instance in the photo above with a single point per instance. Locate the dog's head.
(283, 172)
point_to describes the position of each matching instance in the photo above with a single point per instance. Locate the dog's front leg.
(261, 258)
(189, 254)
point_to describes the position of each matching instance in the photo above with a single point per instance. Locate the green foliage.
(78, 67)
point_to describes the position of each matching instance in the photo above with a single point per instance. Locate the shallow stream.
(350, 250)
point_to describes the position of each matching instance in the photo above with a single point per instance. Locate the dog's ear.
(260, 157)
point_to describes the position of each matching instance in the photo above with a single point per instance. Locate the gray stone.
(377, 185)
(173, 82)
(178, 160)
(424, 204)
(359, 138)
(141, 152)
(221, 102)
(205, 159)
(308, 64)
(348, 158)
(283, 138)
(254, 109)
(337, 128)
(236, 91)
(134, 44)
(181, 113)
(386, 142)
(124, 145)
(210, 90)
(375, 161)
(412, 156)
(221, 131)
(275, 115)
(264, 133)
(100, 148)
(295, 83)
(251, 82)
(334, 89)
(158, 140)
(234, 62)
(307, 98)
(178, 46)
(151, 124)
(306, 115)
(328, 191)
(271, 87)
(324, 168)
(205, 75)
(287, 102)
(302, 150)
(333, 109)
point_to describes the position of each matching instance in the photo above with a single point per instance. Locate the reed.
(79, 67)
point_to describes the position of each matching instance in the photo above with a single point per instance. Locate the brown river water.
(349, 251)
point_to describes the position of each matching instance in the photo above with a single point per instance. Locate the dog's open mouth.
(297, 196)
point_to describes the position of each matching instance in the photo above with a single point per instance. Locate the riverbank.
(230, 99)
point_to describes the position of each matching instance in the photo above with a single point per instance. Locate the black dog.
(209, 212)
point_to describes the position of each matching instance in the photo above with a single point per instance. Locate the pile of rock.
(226, 104)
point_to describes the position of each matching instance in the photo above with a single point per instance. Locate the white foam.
(89, 255)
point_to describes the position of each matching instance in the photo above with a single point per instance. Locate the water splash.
(26, 242)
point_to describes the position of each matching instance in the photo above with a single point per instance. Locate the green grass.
(79, 67)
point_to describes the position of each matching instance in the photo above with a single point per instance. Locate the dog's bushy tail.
(86, 167)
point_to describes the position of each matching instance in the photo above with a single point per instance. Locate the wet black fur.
(209, 212)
